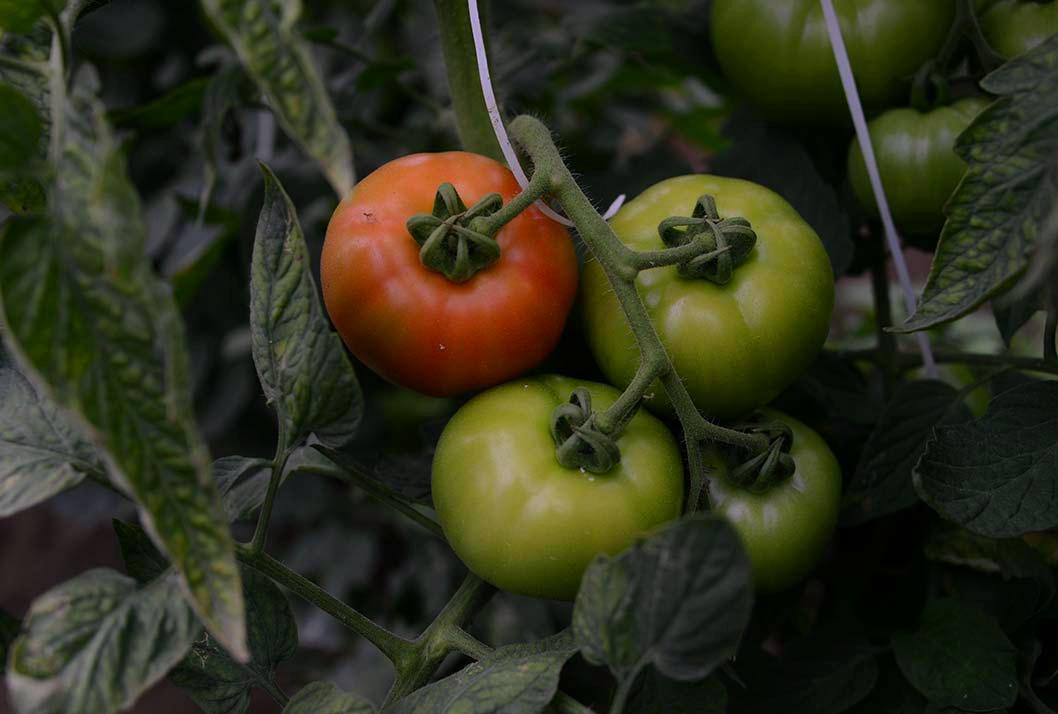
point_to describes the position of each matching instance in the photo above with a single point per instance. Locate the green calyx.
(759, 471)
(579, 443)
(724, 243)
(448, 242)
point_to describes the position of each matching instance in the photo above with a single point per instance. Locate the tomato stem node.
(722, 243)
(763, 469)
(448, 244)
(579, 442)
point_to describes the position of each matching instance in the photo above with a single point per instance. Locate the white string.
(892, 238)
(497, 122)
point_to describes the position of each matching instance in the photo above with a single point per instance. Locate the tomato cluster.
(512, 512)
(429, 294)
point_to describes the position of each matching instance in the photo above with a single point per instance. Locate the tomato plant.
(785, 525)
(1013, 27)
(525, 523)
(793, 468)
(736, 346)
(917, 162)
(417, 327)
(793, 77)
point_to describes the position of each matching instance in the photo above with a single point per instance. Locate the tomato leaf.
(959, 658)
(86, 315)
(1008, 558)
(23, 193)
(1013, 309)
(95, 643)
(679, 600)
(995, 476)
(20, 129)
(219, 684)
(242, 482)
(883, 483)
(325, 698)
(997, 211)
(304, 370)
(216, 682)
(278, 59)
(41, 451)
(516, 679)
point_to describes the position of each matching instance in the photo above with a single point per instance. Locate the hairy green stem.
(490, 225)
(622, 410)
(428, 651)
(379, 492)
(270, 687)
(620, 265)
(460, 640)
(59, 28)
(647, 259)
(468, 101)
(911, 360)
(565, 704)
(279, 463)
(624, 688)
(395, 648)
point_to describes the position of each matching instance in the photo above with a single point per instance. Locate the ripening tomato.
(416, 327)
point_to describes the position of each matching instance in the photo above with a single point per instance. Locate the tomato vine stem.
(418, 663)
(260, 533)
(468, 100)
(620, 265)
(395, 648)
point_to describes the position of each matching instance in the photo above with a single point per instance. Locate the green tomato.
(917, 163)
(786, 528)
(777, 52)
(528, 525)
(1013, 27)
(735, 346)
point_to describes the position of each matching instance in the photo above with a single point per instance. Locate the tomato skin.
(524, 523)
(777, 53)
(412, 325)
(786, 528)
(1013, 28)
(917, 163)
(736, 346)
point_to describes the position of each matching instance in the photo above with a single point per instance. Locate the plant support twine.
(892, 238)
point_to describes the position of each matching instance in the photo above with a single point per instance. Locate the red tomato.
(412, 325)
